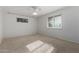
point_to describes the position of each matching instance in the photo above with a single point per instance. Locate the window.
(55, 22)
(23, 20)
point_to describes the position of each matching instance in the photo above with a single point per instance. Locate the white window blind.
(55, 22)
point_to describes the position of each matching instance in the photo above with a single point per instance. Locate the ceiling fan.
(35, 9)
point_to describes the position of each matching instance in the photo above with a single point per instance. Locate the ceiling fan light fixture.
(35, 10)
(35, 13)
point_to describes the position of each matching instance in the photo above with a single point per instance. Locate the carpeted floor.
(18, 44)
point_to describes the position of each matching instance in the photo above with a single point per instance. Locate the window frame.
(54, 18)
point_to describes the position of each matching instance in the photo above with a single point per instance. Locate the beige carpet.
(18, 45)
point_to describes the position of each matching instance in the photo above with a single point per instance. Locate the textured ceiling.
(27, 10)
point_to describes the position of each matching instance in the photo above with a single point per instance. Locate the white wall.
(13, 29)
(1, 19)
(70, 29)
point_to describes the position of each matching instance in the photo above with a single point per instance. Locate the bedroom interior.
(39, 29)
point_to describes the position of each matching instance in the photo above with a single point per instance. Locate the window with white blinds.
(55, 22)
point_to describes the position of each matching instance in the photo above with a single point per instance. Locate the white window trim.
(55, 27)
